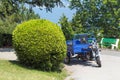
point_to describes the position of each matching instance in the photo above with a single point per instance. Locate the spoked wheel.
(67, 60)
(88, 56)
(98, 61)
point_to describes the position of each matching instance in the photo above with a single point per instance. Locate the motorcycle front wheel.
(98, 61)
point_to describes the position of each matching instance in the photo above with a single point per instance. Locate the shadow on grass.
(17, 63)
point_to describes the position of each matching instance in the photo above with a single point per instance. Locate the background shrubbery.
(119, 45)
(5, 40)
(39, 44)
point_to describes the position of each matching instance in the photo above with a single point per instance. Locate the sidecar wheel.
(98, 61)
(67, 60)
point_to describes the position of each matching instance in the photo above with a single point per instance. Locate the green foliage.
(66, 27)
(86, 17)
(39, 44)
(98, 16)
(8, 7)
(49, 4)
(110, 18)
(77, 25)
(0, 40)
(9, 18)
(7, 26)
(13, 7)
(5, 40)
(119, 45)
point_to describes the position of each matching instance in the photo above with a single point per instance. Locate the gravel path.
(7, 54)
(110, 69)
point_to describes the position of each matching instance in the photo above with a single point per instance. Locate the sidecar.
(83, 47)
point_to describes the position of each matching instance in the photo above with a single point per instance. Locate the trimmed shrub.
(39, 44)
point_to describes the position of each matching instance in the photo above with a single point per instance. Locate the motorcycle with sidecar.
(83, 47)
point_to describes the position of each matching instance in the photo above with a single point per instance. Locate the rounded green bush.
(39, 44)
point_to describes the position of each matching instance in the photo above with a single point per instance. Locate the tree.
(14, 4)
(26, 14)
(7, 8)
(9, 21)
(77, 25)
(87, 15)
(48, 4)
(9, 18)
(66, 27)
(110, 18)
(98, 16)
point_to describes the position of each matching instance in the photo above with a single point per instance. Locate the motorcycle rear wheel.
(67, 60)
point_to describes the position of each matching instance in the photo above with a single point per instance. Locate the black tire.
(98, 61)
(67, 60)
(88, 56)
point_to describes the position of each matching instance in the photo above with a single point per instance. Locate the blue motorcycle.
(84, 47)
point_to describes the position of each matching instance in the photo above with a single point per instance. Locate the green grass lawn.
(13, 71)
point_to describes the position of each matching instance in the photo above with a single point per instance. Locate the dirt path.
(7, 54)
(110, 69)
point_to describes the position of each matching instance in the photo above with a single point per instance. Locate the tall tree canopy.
(12, 14)
(49, 4)
(98, 16)
(14, 5)
(66, 27)
(7, 8)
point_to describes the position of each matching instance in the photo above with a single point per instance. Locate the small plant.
(39, 44)
(119, 45)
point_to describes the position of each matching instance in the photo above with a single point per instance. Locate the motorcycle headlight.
(90, 46)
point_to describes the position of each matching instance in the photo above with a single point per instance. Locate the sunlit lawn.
(13, 71)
